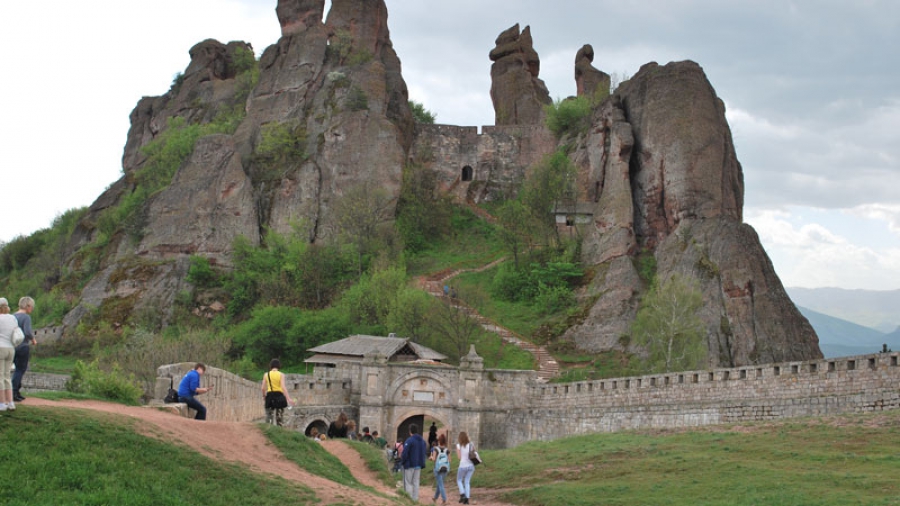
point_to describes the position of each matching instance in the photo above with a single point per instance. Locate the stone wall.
(44, 382)
(695, 398)
(234, 399)
(497, 159)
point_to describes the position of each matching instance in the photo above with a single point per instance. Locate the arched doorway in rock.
(424, 421)
(319, 425)
(467, 173)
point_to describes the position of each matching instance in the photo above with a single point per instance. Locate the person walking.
(412, 459)
(275, 393)
(9, 327)
(440, 454)
(190, 387)
(466, 467)
(23, 351)
(432, 436)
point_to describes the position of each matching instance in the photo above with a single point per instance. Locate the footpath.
(434, 285)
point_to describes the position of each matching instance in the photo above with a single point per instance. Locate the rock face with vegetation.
(324, 111)
(518, 94)
(660, 165)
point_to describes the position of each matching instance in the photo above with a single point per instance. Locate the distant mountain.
(875, 309)
(840, 338)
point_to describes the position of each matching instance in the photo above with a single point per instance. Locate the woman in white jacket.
(8, 325)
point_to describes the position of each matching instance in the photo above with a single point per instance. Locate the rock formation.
(667, 183)
(518, 94)
(588, 80)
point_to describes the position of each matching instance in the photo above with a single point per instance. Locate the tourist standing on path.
(338, 428)
(440, 454)
(190, 387)
(8, 327)
(23, 351)
(412, 459)
(466, 467)
(351, 431)
(275, 393)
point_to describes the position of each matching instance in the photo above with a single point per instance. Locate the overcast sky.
(812, 90)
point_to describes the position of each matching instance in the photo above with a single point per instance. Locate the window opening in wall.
(795, 369)
(813, 368)
(555, 390)
(640, 382)
(312, 385)
(681, 379)
(832, 367)
(712, 376)
(743, 374)
(570, 220)
(726, 375)
(759, 373)
(615, 385)
(467, 173)
(667, 380)
(567, 389)
(851, 365)
(578, 387)
(590, 387)
(345, 385)
(627, 383)
(777, 371)
(871, 363)
(894, 361)
(652, 382)
(695, 379)
(602, 385)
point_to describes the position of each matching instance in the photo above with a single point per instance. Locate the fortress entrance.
(424, 422)
(319, 425)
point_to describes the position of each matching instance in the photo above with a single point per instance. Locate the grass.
(472, 243)
(59, 364)
(500, 355)
(521, 317)
(55, 457)
(309, 455)
(798, 462)
(375, 461)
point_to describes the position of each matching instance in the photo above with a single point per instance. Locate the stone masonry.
(503, 408)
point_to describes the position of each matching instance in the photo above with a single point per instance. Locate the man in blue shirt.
(190, 387)
(413, 460)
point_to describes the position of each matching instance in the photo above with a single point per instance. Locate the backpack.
(442, 463)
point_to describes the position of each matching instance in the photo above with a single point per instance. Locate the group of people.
(415, 451)
(344, 428)
(16, 340)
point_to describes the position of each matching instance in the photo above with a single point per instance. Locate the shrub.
(200, 273)
(553, 298)
(357, 99)
(570, 116)
(421, 114)
(113, 385)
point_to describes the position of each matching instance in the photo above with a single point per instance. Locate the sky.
(811, 87)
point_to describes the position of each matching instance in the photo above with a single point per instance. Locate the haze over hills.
(841, 338)
(870, 308)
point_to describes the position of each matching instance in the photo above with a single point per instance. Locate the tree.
(668, 328)
(358, 215)
(410, 314)
(549, 188)
(423, 212)
(452, 321)
(421, 114)
(515, 225)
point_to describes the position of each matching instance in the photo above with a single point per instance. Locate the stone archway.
(467, 173)
(423, 418)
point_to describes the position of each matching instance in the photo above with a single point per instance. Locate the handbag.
(473, 455)
(274, 400)
(172, 394)
(17, 337)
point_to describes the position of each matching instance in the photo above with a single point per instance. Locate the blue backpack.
(442, 463)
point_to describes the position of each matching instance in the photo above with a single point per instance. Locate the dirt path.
(242, 443)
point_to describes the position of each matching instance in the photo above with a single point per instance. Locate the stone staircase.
(434, 284)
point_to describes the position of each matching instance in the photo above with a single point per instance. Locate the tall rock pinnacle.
(518, 94)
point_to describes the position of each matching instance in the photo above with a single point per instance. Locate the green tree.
(359, 215)
(668, 328)
(421, 114)
(423, 212)
(570, 116)
(515, 222)
(410, 314)
(550, 187)
(452, 322)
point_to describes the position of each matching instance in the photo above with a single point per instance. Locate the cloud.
(808, 254)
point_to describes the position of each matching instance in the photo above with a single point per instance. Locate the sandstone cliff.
(662, 169)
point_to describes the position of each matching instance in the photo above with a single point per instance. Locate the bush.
(421, 114)
(287, 332)
(200, 273)
(570, 116)
(113, 385)
(512, 285)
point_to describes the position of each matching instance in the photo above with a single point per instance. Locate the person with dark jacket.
(23, 351)
(415, 451)
(338, 428)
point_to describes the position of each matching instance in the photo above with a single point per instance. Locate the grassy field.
(843, 461)
(56, 457)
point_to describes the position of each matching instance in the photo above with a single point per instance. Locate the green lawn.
(55, 457)
(802, 462)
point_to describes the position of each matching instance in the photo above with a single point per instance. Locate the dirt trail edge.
(242, 443)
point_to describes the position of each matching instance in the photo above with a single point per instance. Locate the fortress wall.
(44, 382)
(499, 157)
(688, 399)
(234, 399)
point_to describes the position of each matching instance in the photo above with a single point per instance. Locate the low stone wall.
(44, 382)
(234, 399)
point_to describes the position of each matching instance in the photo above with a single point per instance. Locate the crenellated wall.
(501, 408)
